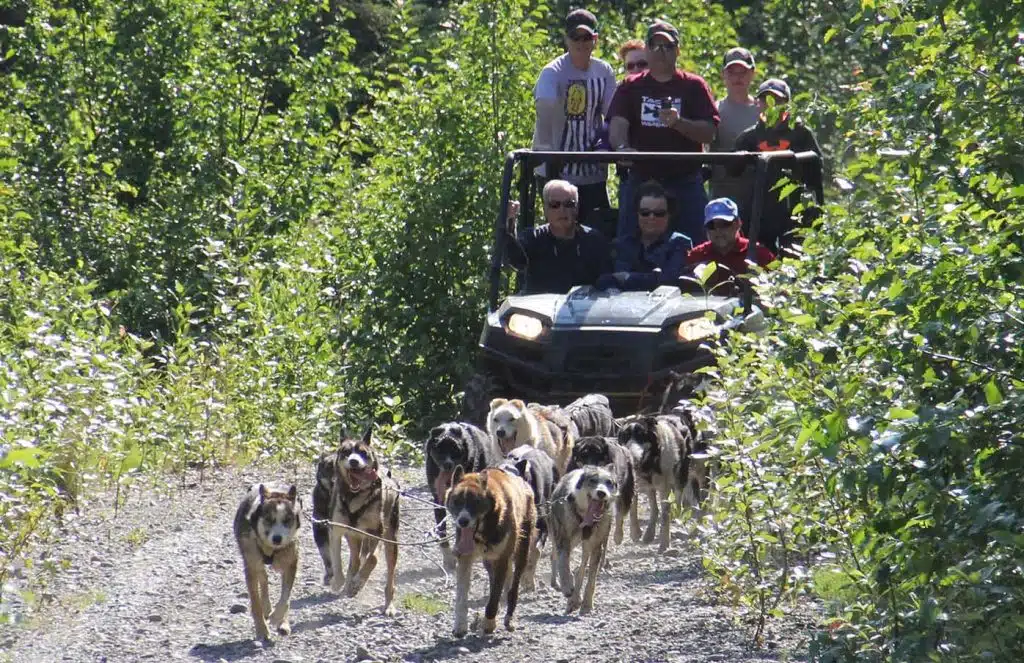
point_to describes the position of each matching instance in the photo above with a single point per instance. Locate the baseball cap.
(664, 29)
(738, 55)
(580, 19)
(775, 86)
(721, 208)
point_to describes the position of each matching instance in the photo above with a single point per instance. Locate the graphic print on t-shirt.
(576, 100)
(583, 116)
(650, 107)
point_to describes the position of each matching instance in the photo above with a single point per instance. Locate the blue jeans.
(688, 197)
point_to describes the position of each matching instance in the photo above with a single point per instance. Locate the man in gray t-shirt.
(572, 96)
(738, 111)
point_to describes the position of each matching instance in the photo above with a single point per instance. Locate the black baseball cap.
(580, 19)
(664, 29)
(776, 87)
(738, 55)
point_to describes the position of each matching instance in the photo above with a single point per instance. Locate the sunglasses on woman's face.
(636, 66)
(557, 204)
(659, 213)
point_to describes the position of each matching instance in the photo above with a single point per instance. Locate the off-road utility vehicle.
(553, 348)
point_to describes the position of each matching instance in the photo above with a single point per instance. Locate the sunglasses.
(557, 204)
(580, 38)
(636, 66)
(660, 213)
(720, 224)
(663, 46)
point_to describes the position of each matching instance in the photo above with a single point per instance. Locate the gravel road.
(162, 581)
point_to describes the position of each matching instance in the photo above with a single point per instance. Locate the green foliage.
(871, 447)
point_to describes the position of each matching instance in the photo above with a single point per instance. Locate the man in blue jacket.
(654, 255)
(561, 253)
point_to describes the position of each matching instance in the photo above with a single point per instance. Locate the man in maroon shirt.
(664, 109)
(726, 245)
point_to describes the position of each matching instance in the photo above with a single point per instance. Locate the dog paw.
(510, 624)
(618, 537)
(460, 630)
(390, 610)
(648, 536)
(337, 582)
(488, 624)
(664, 547)
(352, 588)
(284, 628)
(572, 605)
(586, 608)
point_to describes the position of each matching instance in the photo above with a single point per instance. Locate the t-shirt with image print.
(584, 97)
(640, 99)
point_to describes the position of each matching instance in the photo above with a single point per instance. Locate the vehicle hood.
(586, 306)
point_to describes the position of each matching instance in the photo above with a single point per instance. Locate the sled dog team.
(569, 475)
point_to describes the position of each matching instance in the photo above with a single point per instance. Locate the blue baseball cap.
(721, 208)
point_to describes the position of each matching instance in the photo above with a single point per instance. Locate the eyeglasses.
(663, 46)
(636, 66)
(557, 204)
(720, 224)
(660, 213)
(580, 38)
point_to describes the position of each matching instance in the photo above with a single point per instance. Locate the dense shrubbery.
(872, 439)
(226, 232)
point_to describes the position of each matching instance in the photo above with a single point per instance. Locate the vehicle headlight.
(696, 329)
(525, 326)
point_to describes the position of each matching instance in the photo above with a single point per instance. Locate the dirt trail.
(163, 582)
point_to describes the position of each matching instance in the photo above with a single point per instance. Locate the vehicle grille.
(598, 360)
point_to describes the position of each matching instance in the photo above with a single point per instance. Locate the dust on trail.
(163, 582)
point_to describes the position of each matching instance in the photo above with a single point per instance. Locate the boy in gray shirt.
(572, 96)
(738, 111)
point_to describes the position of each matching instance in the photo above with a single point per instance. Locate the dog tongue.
(365, 476)
(441, 484)
(594, 512)
(464, 542)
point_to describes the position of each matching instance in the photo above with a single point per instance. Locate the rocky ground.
(163, 581)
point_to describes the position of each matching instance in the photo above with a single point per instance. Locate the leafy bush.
(871, 446)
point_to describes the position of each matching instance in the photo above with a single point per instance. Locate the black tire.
(480, 389)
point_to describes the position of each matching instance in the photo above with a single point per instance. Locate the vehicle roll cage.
(530, 159)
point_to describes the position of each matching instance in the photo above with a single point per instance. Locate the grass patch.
(137, 537)
(834, 585)
(427, 605)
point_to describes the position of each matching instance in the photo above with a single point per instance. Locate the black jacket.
(556, 265)
(791, 135)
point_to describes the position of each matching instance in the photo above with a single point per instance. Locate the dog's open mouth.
(359, 479)
(465, 544)
(595, 509)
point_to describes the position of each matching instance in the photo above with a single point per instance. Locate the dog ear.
(293, 493)
(517, 404)
(368, 434)
(498, 402)
(579, 481)
(483, 479)
(436, 431)
(259, 492)
(523, 467)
